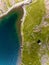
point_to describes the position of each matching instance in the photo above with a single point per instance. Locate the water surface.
(9, 37)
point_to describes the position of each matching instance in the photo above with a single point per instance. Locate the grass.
(31, 49)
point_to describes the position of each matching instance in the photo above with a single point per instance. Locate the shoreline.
(16, 6)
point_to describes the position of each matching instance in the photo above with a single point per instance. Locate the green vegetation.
(36, 35)
(35, 12)
(31, 47)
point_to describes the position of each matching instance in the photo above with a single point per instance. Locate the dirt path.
(47, 8)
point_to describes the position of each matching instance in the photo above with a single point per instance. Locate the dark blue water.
(9, 40)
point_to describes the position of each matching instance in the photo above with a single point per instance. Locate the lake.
(10, 37)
